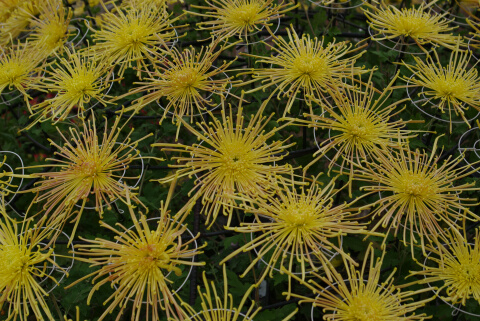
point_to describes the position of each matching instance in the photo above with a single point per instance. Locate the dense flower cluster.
(305, 151)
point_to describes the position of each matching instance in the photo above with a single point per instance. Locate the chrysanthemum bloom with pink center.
(20, 67)
(87, 166)
(419, 193)
(364, 295)
(188, 80)
(453, 266)
(227, 18)
(455, 87)
(421, 24)
(23, 264)
(132, 35)
(304, 66)
(233, 157)
(77, 80)
(138, 261)
(359, 121)
(51, 30)
(222, 308)
(297, 225)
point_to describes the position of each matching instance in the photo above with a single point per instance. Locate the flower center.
(81, 83)
(237, 159)
(310, 67)
(53, 35)
(245, 15)
(366, 307)
(448, 88)
(416, 185)
(151, 257)
(412, 24)
(11, 72)
(467, 274)
(184, 78)
(132, 34)
(298, 214)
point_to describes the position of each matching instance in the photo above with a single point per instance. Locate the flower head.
(132, 34)
(184, 79)
(363, 295)
(239, 17)
(453, 265)
(87, 165)
(452, 88)
(23, 263)
(76, 79)
(138, 262)
(18, 67)
(232, 158)
(419, 24)
(418, 190)
(18, 20)
(297, 225)
(359, 122)
(51, 32)
(305, 65)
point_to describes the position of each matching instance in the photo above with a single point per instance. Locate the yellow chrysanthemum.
(51, 30)
(232, 158)
(77, 80)
(19, 20)
(359, 123)
(7, 7)
(185, 79)
(363, 295)
(87, 165)
(19, 68)
(455, 87)
(23, 264)
(296, 227)
(419, 24)
(417, 190)
(138, 262)
(304, 65)
(239, 17)
(217, 308)
(133, 34)
(453, 266)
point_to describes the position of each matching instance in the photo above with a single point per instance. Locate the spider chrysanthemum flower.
(304, 65)
(19, 20)
(455, 87)
(23, 263)
(138, 262)
(185, 79)
(228, 18)
(364, 295)
(51, 30)
(222, 308)
(19, 68)
(77, 80)
(133, 34)
(453, 265)
(359, 122)
(419, 24)
(232, 158)
(87, 165)
(296, 226)
(419, 191)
